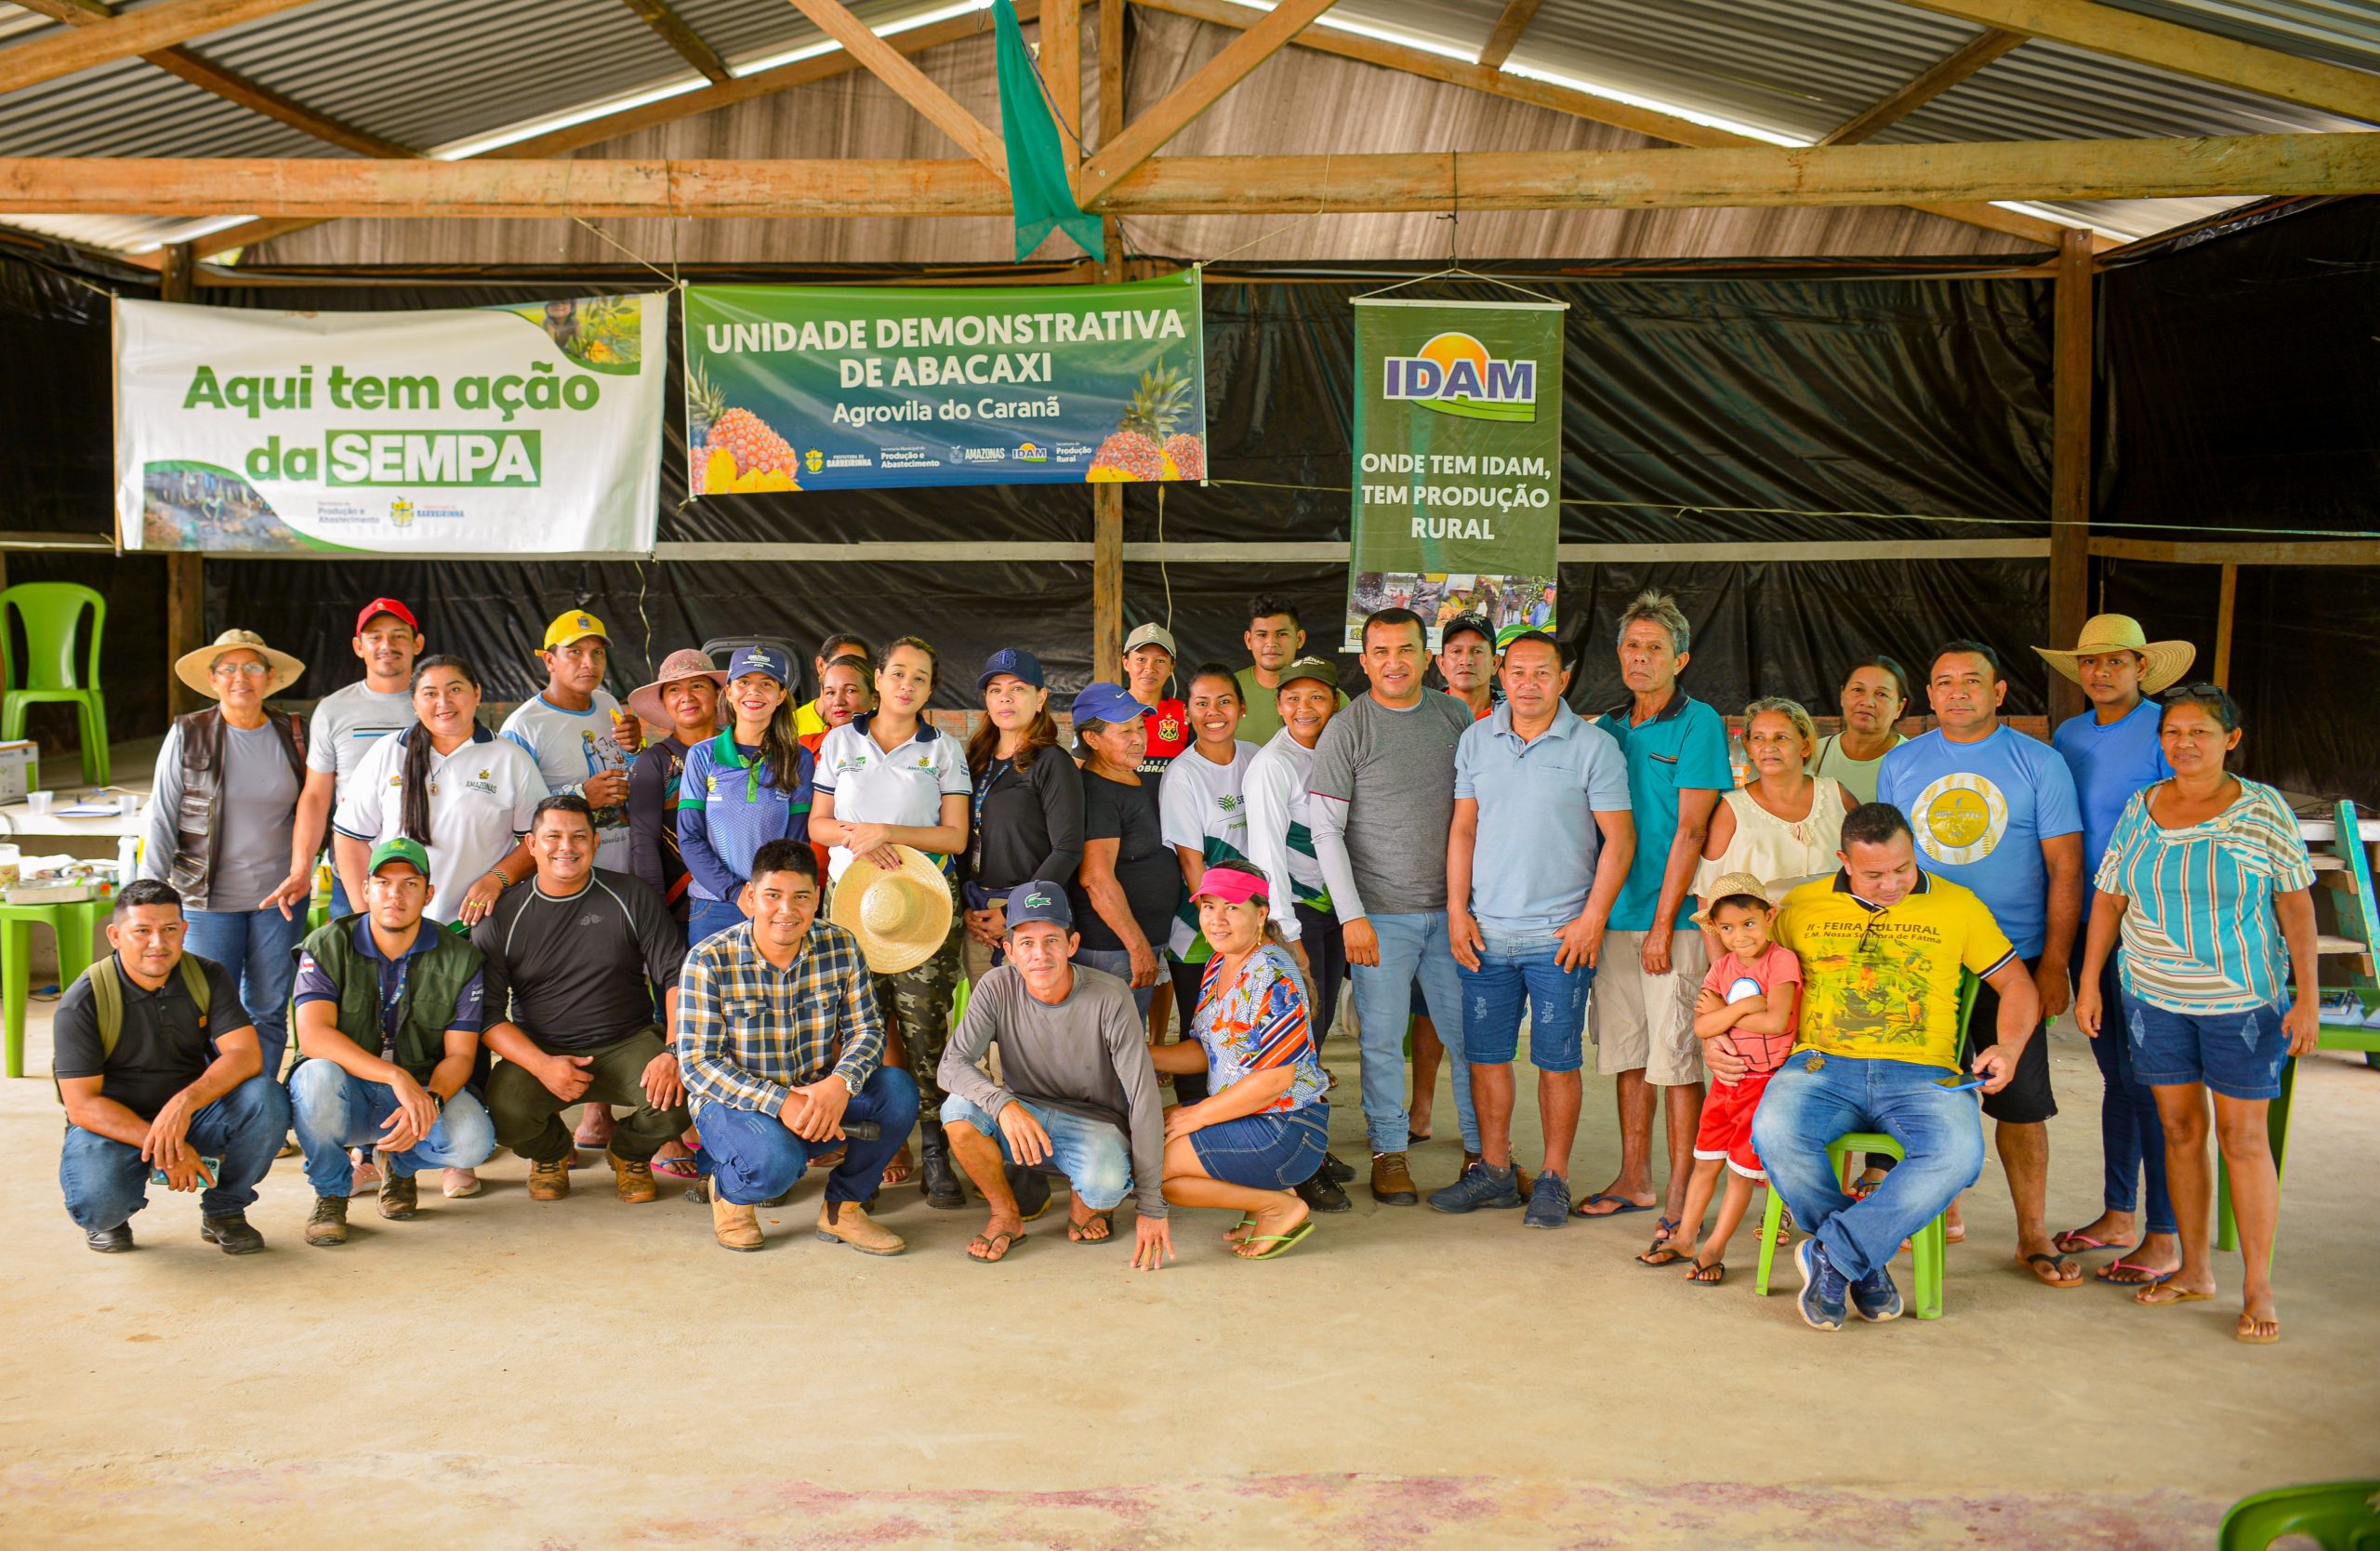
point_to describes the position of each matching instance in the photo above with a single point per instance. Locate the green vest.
(433, 987)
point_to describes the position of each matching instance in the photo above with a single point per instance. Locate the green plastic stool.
(52, 614)
(72, 922)
(1928, 1246)
(2341, 1516)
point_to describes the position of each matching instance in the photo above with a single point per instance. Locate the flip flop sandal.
(1104, 1219)
(2148, 1277)
(1707, 1275)
(1660, 1255)
(2172, 1295)
(1244, 1223)
(2053, 1261)
(1664, 1229)
(1282, 1242)
(676, 1168)
(992, 1241)
(2245, 1331)
(903, 1169)
(1623, 1210)
(2076, 1242)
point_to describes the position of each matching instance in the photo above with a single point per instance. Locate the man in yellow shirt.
(1881, 946)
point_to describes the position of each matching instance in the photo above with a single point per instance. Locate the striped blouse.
(2200, 934)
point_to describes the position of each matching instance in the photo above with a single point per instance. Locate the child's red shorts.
(1726, 1124)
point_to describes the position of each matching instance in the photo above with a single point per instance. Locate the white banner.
(528, 430)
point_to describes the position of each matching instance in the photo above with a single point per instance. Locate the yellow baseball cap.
(575, 625)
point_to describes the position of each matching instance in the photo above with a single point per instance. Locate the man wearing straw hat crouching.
(783, 1045)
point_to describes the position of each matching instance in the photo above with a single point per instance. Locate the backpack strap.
(107, 1003)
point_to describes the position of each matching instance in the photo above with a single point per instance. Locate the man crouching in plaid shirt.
(783, 1045)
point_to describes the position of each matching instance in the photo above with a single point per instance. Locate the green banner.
(1457, 463)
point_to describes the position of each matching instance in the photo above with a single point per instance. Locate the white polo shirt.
(903, 787)
(482, 797)
(1203, 807)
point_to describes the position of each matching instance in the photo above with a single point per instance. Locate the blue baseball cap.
(1106, 702)
(1039, 900)
(759, 659)
(1015, 661)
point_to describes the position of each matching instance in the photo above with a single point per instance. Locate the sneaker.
(1548, 1202)
(111, 1241)
(1478, 1186)
(400, 1197)
(233, 1234)
(1873, 1296)
(328, 1224)
(1823, 1287)
(548, 1182)
(1392, 1180)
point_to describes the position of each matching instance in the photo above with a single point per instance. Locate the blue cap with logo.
(1039, 900)
(757, 659)
(1015, 661)
(1106, 702)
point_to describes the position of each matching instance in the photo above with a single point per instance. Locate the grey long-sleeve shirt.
(1382, 790)
(1085, 1054)
(259, 807)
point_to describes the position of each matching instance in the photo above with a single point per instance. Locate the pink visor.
(1231, 885)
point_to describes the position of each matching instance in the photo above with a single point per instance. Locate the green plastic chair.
(74, 922)
(2340, 1515)
(52, 612)
(1929, 1245)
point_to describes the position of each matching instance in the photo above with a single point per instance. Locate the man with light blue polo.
(1382, 790)
(1541, 842)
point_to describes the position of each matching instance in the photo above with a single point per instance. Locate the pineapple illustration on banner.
(806, 387)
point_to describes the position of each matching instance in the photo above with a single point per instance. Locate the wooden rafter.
(1923, 87)
(122, 37)
(1517, 15)
(889, 65)
(663, 17)
(2184, 50)
(1648, 122)
(1062, 70)
(1148, 133)
(1758, 176)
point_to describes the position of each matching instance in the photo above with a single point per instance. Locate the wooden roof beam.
(2184, 50)
(121, 37)
(1517, 15)
(889, 65)
(1148, 133)
(1937, 78)
(675, 31)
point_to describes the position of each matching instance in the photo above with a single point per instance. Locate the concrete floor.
(587, 1374)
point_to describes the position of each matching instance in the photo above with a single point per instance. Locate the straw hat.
(901, 917)
(684, 663)
(192, 668)
(2165, 660)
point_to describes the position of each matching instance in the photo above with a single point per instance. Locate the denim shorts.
(1516, 973)
(2236, 1055)
(1265, 1152)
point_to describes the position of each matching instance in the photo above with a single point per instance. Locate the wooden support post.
(2223, 614)
(185, 580)
(2069, 501)
(1107, 500)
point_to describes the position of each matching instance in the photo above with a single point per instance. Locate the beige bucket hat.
(901, 917)
(193, 667)
(2164, 661)
(1728, 885)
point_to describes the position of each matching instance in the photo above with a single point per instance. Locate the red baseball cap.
(378, 606)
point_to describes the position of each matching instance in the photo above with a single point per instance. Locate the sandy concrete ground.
(587, 1374)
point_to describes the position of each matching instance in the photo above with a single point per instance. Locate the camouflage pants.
(919, 1002)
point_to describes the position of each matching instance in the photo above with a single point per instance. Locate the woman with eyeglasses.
(2207, 882)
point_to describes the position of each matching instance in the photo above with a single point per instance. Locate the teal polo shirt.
(1684, 747)
(1533, 860)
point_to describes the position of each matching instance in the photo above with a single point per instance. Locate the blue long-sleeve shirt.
(728, 809)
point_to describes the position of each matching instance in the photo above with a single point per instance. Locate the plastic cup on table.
(39, 801)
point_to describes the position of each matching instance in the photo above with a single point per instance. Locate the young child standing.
(1751, 998)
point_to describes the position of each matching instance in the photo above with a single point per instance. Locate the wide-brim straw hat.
(192, 668)
(2164, 661)
(901, 917)
(684, 663)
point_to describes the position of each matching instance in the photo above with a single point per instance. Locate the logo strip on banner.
(531, 430)
(845, 387)
(1458, 431)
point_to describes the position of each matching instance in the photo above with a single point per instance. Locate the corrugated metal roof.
(2343, 32)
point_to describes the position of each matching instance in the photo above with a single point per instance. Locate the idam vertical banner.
(1458, 479)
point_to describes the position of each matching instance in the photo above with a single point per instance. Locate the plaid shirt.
(748, 1031)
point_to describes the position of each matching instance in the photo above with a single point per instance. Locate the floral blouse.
(1257, 1022)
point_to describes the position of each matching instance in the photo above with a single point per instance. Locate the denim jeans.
(1517, 972)
(1115, 961)
(754, 1158)
(338, 905)
(1412, 947)
(105, 1182)
(707, 919)
(2132, 1139)
(1804, 1110)
(1091, 1154)
(335, 1110)
(259, 948)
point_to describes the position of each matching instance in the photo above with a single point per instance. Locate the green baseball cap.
(400, 850)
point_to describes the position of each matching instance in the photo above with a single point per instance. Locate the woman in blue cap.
(1027, 804)
(746, 787)
(1125, 893)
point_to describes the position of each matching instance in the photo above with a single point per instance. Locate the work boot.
(328, 1224)
(548, 1182)
(934, 1172)
(1338, 1168)
(848, 1222)
(232, 1233)
(634, 1180)
(1323, 1193)
(111, 1241)
(735, 1227)
(399, 1198)
(1392, 1180)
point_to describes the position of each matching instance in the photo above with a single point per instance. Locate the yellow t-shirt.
(1881, 983)
(807, 721)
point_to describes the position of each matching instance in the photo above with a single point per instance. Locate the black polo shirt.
(161, 1049)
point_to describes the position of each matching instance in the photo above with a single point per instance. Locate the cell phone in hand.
(1969, 1086)
(213, 1167)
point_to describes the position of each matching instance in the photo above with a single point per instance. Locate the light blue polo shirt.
(1684, 747)
(1534, 858)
